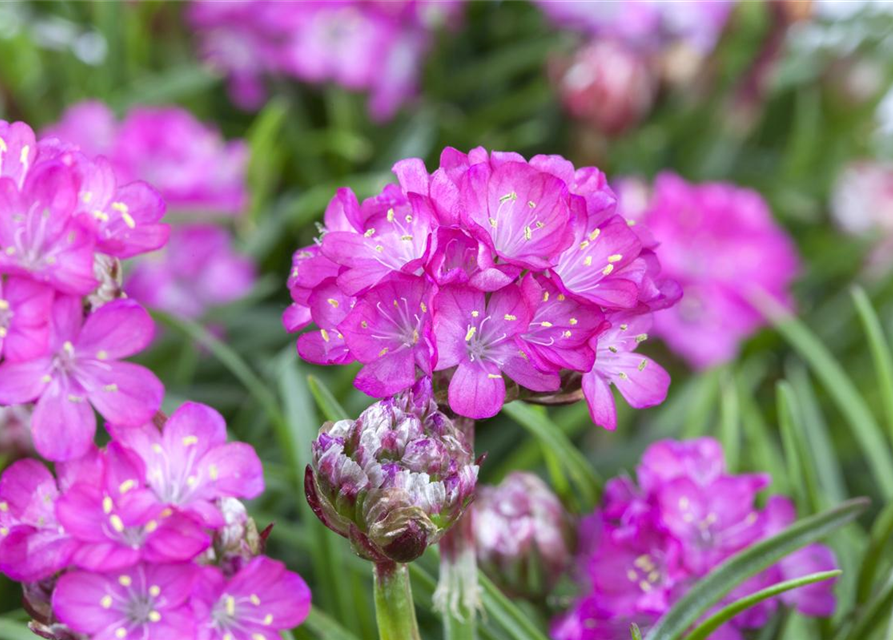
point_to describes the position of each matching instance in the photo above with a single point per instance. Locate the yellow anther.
(492, 222)
(528, 233)
(333, 302)
(615, 258)
(369, 233)
(642, 365)
(632, 575)
(540, 225)
(128, 220)
(566, 334)
(546, 324)
(3, 332)
(101, 215)
(654, 576)
(623, 376)
(126, 486)
(230, 606)
(154, 616)
(642, 337)
(324, 334)
(390, 215)
(509, 196)
(684, 502)
(588, 261)
(106, 602)
(493, 376)
(510, 317)
(75, 399)
(154, 591)
(4, 507)
(383, 352)
(157, 449)
(595, 234)
(475, 314)
(125, 581)
(111, 388)
(415, 336)
(584, 244)
(254, 600)
(117, 523)
(4, 531)
(191, 481)
(167, 513)
(213, 472)
(423, 307)
(379, 248)
(268, 620)
(107, 505)
(121, 633)
(531, 204)
(4, 305)
(572, 322)
(120, 207)
(643, 562)
(102, 355)
(408, 218)
(68, 347)
(24, 155)
(364, 324)
(624, 327)
(406, 238)
(644, 586)
(87, 196)
(470, 334)
(190, 441)
(545, 296)
(561, 297)
(607, 270)
(3, 147)
(151, 526)
(258, 636)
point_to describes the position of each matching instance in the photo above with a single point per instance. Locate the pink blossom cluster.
(493, 274)
(147, 539)
(652, 540)
(201, 177)
(65, 220)
(722, 244)
(375, 46)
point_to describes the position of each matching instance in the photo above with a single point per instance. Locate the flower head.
(523, 535)
(394, 480)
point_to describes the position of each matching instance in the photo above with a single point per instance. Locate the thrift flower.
(722, 245)
(189, 464)
(81, 371)
(148, 601)
(196, 271)
(260, 601)
(394, 480)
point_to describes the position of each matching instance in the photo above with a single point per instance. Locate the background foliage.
(810, 402)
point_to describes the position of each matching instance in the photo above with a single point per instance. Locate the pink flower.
(187, 161)
(118, 522)
(189, 465)
(197, 270)
(260, 601)
(481, 338)
(39, 235)
(32, 545)
(641, 381)
(82, 370)
(722, 245)
(24, 318)
(147, 601)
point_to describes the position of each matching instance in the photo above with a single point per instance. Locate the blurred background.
(791, 98)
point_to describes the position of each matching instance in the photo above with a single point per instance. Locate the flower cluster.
(372, 46)
(147, 539)
(394, 480)
(65, 221)
(652, 540)
(523, 535)
(721, 243)
(495, 274)
(200, 175)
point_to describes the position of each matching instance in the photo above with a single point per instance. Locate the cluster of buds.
(370, 46)
(652, 540)
(524, 537)
(146, 538)
(508, 278)
(394, 480)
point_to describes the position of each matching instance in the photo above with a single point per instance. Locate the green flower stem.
(394, 607)
(458, 594)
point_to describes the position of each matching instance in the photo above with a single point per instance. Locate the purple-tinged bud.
(108, 272)
(524, 536)
(394, 480)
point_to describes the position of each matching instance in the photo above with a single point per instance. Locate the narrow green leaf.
(325, 627)
(880, 352)
(714, 622)
(801, 469)
(839, 386)
(730, 420)
(265, 162)
(881, 539)
(497, 605)
(13, 630)
(719, 582)
(539, 425)
(635, 631)
(326, 401)
(874, 613)
(227, 356)
(703, 405)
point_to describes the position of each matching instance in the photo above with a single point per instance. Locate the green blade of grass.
(880, 352)
(14, 630)
(839, 386)
(749, 562)
(714, 622)
(326, 401)
(800, 464)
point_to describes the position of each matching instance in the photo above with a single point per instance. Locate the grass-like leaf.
(581, 473)
(14, 630)
(325, 400)
(876, 612)
(714, 622)
(635, 631)
(324, 627)
(881, 539)
(747, 563)
(880, 352)
(839, 386)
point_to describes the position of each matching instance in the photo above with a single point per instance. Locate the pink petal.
(598, 396)
(388, 374)
(28, 554)
(193, 430)
(477, 391)
(233, 470)
(23, 382)
(116, 330)
(77, 601)
(124, 393)
(63, 423)
(645, 382)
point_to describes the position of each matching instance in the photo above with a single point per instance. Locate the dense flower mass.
(189, 162)
(394, 480)
(523, 535)
(146, 538)
(363, 46)
(501, 276)
(65, 221)
(652, 540)
(721, 243)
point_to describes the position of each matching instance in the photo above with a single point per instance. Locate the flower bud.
(394, 480)
(107, 270)
(523, 534)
